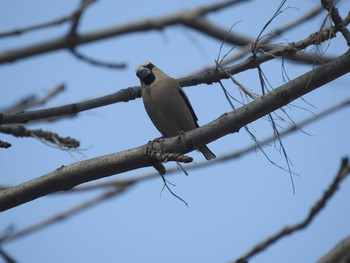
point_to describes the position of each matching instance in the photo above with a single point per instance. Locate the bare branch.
(66, 177)
(315, 209)
(75, 18)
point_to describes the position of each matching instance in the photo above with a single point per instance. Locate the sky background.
(232, 205)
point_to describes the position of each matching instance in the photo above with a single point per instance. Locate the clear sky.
(232, 205)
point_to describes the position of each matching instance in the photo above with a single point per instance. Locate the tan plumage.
(166, 104)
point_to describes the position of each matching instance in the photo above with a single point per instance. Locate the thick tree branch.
(66, 177)
(120, 185)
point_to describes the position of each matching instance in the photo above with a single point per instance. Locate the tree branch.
(316, 208)
(66, 177)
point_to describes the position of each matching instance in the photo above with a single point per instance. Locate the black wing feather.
(187, 101)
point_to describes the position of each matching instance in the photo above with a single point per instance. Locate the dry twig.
(53, 138)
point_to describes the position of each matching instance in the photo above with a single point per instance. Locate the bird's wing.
(187, 101)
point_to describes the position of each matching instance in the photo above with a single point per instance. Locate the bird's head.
(148, 73)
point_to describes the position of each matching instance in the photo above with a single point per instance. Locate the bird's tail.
(208, 154)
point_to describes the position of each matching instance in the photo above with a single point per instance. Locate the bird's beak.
(143, 73)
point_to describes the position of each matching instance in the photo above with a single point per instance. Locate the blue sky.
(232, 205)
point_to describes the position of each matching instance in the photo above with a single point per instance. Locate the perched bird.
(166, 103)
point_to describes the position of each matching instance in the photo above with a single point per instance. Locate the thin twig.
(96, 62)
(171, 191)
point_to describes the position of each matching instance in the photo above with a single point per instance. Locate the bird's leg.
(157, 140)
(153, 156)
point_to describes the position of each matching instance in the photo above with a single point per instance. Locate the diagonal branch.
(315, 209)
(125, 184)
(66, 177)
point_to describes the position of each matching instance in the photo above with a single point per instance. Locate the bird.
(166, 104)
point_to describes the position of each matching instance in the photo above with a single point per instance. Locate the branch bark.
(340, 253)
